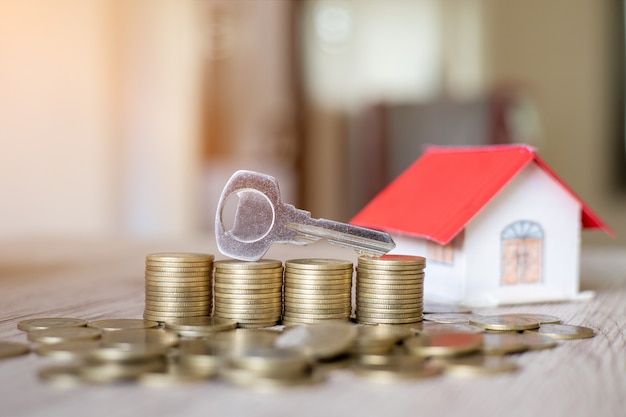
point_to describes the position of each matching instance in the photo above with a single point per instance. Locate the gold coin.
(238, 315)
(178, 298)
(248, 296)
(67, 351)
(250, 379)
(121, 324)
(337, 279)
(297, 292)
(318, 274)
(316, 304)
(248, 282)
(396, 356)
(403, 370)
(179, 257)
(139, 338)
(395, 302)
(380, 293)
(407, 280)
(249, 301)
(178, 292)
(390, 259)
(479, 365)
(11, 349)
(392, 310)
(249, 309)
(538, 342)
(48, 323)
(385, 287)
(171, 314)
(391, 296)
(503, 343)
(180, 269)
(318, 264)
(261, 324)
(541, 318)
(313, 315)
(262, 292)
(167, 264)
(174, 276)
(369, 320)
(261, 286)
(290, 310)
(63, 334)
(249, 273)
(185, 286)
(241, 265)
(502, 322)
(389, 269)
(287, 321)
(413, 316)
(314, 287)
(314, 298)
(178, 304)
(205, 324)
(320, 341)
(444, 344)
(61, 375)
(126, 353)
(273, 361)
(114, 372)
(563, 331)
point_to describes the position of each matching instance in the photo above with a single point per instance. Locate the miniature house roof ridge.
(441, 192)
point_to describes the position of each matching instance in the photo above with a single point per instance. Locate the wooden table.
(104, 279)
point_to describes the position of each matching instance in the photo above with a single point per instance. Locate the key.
(261, 219)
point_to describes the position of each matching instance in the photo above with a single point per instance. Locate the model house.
(496, 225)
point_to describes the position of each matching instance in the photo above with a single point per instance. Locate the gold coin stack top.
(249, 292)
(317, 290)
(390, 289)
(178, 285)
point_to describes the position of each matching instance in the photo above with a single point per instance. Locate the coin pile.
(390, 289)
(249, 292)
(316, 290)
(178, 285)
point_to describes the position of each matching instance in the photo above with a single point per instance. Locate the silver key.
(261, 219)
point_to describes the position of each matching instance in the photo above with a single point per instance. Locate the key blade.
(363, 240)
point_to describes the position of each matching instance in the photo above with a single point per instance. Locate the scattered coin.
(540, 318)
(11, 349)
(564, 331)
(48, 323)
(134, 338)
(63, 334)
(503, 343)
(321, 341)
(479, 365)
(444, 344)
(68, 351)
(122, 324)
(504, 322)
(449, 318)
(201, 324)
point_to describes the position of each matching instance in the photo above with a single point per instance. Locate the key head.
(247, 215)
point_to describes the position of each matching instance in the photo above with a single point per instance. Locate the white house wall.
(442, 282)
(535, 196)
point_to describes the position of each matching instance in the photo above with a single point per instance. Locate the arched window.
(522, 253)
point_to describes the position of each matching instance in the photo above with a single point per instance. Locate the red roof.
(437, 196)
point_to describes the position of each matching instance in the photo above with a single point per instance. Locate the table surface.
(96, 279)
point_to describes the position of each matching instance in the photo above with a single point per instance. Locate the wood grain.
(104, 279)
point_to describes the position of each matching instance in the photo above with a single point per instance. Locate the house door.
(522, 253)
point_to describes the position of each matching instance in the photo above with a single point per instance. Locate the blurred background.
(127, 117)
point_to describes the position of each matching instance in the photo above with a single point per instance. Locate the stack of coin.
(390, 289)
(317, 290)
(178, 285)
(249, 292)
